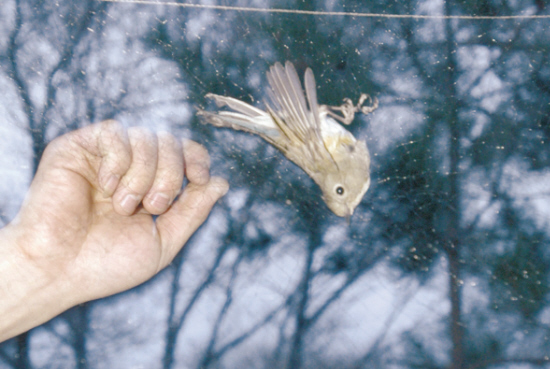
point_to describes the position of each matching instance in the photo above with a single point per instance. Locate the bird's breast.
(334, 135)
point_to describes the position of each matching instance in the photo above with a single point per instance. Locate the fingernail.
(160, 201)
(129, 203)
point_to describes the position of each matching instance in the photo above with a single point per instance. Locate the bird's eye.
(340, 190)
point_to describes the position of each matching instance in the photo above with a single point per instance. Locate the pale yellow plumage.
(307, 134)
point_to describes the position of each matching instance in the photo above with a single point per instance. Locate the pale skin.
(86, 229)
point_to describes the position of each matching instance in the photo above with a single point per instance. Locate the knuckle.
(168, 182)
(144, 145)
(111, 124)
(166, 139)
(141, 135)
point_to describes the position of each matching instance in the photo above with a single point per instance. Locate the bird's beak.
(348, 215)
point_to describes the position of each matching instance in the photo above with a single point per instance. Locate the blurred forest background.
(445, 263)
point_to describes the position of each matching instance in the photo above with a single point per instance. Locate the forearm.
(27, 298)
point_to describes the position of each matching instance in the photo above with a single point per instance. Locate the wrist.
(30, 295)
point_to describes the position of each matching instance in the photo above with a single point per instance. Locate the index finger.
(197, 162)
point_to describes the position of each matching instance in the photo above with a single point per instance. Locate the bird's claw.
(348, 110)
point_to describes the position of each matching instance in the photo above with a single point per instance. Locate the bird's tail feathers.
(245, 117)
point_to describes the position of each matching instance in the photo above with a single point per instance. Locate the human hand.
(86, 229)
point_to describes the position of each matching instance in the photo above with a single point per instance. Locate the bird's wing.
(292, 113)
(311, 92)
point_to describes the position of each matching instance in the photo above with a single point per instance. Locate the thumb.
(187, 214)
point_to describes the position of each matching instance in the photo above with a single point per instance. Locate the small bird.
(306, 133)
